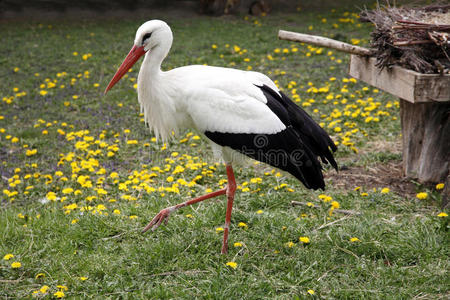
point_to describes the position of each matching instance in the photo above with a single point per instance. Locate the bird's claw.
(163, 215)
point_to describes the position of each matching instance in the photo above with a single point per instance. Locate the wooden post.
(426, 140)
(424, 113)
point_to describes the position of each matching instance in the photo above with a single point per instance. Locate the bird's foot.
(162, 216)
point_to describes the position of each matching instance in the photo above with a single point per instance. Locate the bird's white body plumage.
(201, 97)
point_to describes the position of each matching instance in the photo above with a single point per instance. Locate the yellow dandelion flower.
(442, 215)
(422, 196)
(354, 239)
(385, 190)
(311, 292)
(304, 239)
(44, 289)
(243, 225)
(237, 244)
(335, 204)
(231, 264)
(8, 256)
(59, 294)
(219, 229)
(290, 244)
(16, 265)
(440, 186)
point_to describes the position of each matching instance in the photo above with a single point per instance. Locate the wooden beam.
(323, 42)
(406, 84)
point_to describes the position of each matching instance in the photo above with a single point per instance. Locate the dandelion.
(44, 289)
(304, 239)
(440, 186)
(311, 292)
(237, 244)
(259, 212)
(243, 225)
(116, 212)
(385, 190)
(189, 216)
(290, 244)
(335, 204)
(59, 294)
(39, 275)
(422, 196)
(442, 215)
(8, 256)
(67, 191)
(231, 264)
(31, 152)
(16, 265)
(219, 229)
(354, 239)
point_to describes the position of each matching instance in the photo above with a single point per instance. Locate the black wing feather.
(294, 149)
(311, 134)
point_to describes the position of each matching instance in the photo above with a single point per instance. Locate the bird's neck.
(153, 60)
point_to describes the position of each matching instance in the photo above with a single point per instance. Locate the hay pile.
(414, 38)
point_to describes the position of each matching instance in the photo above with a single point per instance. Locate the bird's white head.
(153, 36)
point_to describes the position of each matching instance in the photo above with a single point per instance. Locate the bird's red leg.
(163, 215)
(230, 190)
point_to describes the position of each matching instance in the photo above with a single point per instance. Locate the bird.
(241, 113)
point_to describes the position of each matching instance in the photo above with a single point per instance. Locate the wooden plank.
(405, 84)
(322, 42)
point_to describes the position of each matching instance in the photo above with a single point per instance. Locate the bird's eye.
(146, 36)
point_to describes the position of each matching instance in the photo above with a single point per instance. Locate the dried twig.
(406, 37)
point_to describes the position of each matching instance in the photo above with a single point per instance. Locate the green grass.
(403, 246)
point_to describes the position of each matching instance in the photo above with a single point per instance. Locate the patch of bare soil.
(376, 176)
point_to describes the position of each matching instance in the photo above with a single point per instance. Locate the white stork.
(240, 112)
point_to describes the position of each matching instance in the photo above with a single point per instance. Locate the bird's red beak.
(132, 57)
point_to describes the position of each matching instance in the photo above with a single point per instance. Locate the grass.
(71, 213)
